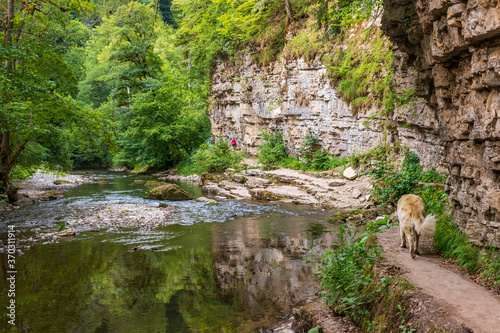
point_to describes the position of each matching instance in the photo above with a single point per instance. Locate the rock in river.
(61, 182)
(154, 183)
(168, 192)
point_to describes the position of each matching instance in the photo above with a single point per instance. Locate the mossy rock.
(211, 177)
(164, 205)
(155, 183)
(358, 215)
(168, 192)
(139, 181)
(342, 217)
(265, 195)
(212, 203)
(50, 195)
(61, 182)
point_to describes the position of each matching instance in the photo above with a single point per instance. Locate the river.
(231, 267)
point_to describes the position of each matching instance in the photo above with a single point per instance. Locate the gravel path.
(459, 298)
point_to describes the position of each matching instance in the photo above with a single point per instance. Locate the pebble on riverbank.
(123, 216)
(47, 186)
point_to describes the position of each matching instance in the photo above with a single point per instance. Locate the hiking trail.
(454, 295)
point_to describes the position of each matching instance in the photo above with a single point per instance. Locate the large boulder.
(168, 192)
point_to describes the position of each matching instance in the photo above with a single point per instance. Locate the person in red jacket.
(233, 143)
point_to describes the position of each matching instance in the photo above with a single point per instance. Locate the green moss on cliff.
(359, 62)
(361, 69)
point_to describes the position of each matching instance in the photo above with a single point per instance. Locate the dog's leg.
(409, 234)
(403, 237)
(417, 237)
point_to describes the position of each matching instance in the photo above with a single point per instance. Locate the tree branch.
(17, 152)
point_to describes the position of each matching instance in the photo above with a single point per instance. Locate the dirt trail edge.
(461, 299)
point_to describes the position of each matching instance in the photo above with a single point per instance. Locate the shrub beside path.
(456, 296)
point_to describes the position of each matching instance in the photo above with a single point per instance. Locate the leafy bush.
(348, 277)
(325, 161)
(215, 158)
(390, 184)
(321, 160)
(292, 163)
(308, 147)
(433, 176)
(379, 153)
(272, 149)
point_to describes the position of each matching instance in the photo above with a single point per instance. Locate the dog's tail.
(428, 227)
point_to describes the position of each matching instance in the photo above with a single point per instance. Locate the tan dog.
(413, 221)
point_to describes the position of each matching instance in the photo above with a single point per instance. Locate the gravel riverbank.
(47, 186)
(121, 216)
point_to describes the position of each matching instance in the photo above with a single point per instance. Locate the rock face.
(449, 52)
(289, 96)
(168, 192)
(446, 51)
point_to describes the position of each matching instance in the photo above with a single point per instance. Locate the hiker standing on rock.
(233, 143)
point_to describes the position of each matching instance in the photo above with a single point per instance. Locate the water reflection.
(270, 273)
(210, 278)
(235, 276)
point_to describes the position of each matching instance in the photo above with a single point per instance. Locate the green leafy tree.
(121, 56)
(36, 84)
(164, 124)
(336, 15)
(166, 12)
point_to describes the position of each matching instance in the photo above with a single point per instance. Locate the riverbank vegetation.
(95, 84)
(311, 157)
(351, 282)
(126, 83)
(212, 158)
(354, 285)
(390, 183)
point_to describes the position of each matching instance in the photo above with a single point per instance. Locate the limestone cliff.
(450, 54)
(290, 96)
(447, 51)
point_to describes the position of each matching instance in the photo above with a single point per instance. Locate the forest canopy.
(126, 83)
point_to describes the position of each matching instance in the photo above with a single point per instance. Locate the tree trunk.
(289, 12)
(5, 144)
(7, 36)
(5, 166)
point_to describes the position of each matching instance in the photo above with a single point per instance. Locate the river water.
(231, 267)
